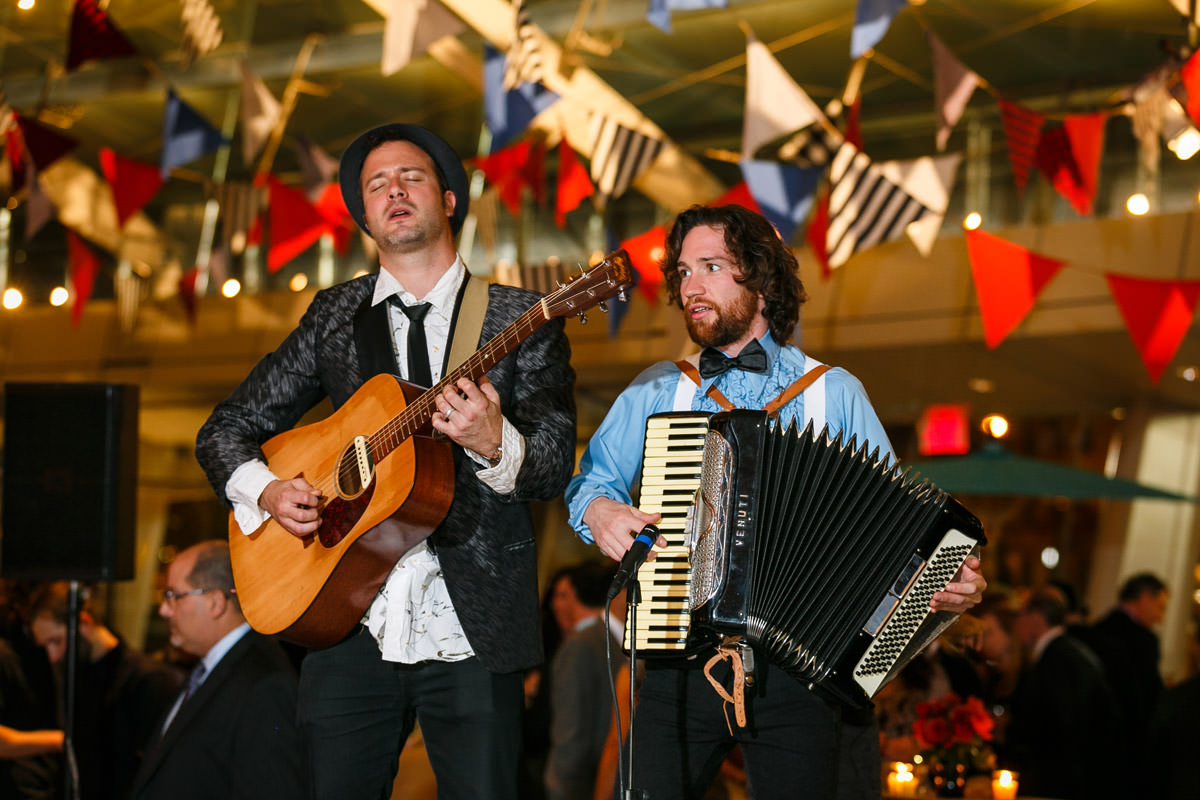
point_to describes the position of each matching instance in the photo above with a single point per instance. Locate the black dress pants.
(356, 711)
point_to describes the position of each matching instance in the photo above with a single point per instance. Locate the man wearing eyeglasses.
(231, 733)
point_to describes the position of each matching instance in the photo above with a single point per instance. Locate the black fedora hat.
(443, 155)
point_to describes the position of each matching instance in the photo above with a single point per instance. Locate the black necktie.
(418, 349)
(752, 359)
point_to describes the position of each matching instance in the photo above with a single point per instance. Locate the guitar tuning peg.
(582, 318)
(603, 306)
(560, 284)
(624, 298)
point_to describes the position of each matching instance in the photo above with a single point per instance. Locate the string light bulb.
(972, 221)
(24, 5)
(1137, 204)
(231, 287)
(994, 425)
(12, 298)
(59, 296)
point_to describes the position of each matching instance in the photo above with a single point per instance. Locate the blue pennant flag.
(186, 134)
(509, 112)
(871, 21)
(658, 13)
(783, 192)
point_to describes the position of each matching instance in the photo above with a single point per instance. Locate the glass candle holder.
(1004, 785)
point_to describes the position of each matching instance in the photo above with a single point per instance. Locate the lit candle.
(1004, 785)
(900, 781)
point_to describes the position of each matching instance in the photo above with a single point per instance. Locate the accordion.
(813, 550)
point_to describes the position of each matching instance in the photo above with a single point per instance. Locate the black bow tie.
(752, 359)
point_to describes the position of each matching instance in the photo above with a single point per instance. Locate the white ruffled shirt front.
(412, 616)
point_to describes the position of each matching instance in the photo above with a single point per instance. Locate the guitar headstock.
(609, 278)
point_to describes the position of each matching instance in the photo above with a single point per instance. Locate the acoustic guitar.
(385, 484)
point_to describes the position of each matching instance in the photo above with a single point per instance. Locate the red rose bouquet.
(950, 730)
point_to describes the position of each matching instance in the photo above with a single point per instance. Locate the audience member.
(1175, 741)
(581, 703)
(999, 651)
(120, 694)
(1128, 648)
(232, 732)
(1062, 735)
(22, 773)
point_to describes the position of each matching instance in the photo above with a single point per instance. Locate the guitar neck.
(417, 414)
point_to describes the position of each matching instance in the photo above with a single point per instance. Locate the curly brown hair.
(766, 263)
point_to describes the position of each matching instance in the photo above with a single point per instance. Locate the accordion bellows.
(819, 553)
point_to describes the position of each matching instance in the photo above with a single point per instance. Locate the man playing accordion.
(739, 288)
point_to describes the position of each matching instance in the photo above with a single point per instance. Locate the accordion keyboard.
(672, 460)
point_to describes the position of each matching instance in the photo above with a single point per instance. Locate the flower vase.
(949, 780)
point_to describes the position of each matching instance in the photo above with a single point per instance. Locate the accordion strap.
(730, 650)
(772, 408)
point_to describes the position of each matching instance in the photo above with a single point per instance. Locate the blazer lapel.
(373, 340)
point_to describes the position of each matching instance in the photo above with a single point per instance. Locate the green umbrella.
(995, 471)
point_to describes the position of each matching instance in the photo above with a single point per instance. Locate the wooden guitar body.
(311, 591)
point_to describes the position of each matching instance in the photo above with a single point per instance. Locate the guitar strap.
(468, 322)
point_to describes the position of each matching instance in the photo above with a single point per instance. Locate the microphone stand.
(70, 661)
(633, 596)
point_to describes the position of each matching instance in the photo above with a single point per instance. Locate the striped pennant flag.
(865, 207)
(619, 156)
(1189, 9)
(1022, 130)
(523, 62)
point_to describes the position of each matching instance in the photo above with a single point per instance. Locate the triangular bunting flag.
(619, 156)
(202, 32)
(658, 13)
(509, 112)
(573, 183)
(1008, 279)
(187, 293)
(1189, 74)
(645, 251)
(295, 224)
(872, 19)
(953, 85)
(865, 207)
(186, 134)
(93, 36)
(929, 181)
(85, 266)
(817, 234)
(317, 168)
(260, 114)
(1069, 157)
(133, 183)
(1157, 314)
(784, 193)
(399, 31)
(738, 195)
(39, 208)
(1022, 131)
(332, 206)
(775, 104)
(506, 170)
(44, 145)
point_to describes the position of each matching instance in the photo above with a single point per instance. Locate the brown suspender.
(772, 408)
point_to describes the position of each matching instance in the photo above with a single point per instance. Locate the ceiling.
(1069, 56)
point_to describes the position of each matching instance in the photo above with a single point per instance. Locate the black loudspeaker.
(70, 481)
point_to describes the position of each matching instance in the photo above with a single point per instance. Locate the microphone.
(633, 559)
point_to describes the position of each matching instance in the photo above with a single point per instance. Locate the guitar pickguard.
(339, 516)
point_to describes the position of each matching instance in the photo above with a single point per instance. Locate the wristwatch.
(494, 459)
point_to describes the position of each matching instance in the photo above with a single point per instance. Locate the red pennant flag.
(295, 223)
(818, 229)
(738, 195)
(645, 252)
(187, 293)
(94, 37)
(332, 207)
(133, 183)
(573, 183)
(45, 145)
(1085, 132)
(1157, 314)
(1022, 130)
(506, 170)
(1008, 279)
(534, 173)
(853, 132)
(1189, 74)
(1056, 162)
(85, 266)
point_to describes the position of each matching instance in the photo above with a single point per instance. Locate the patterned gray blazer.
(485, 543)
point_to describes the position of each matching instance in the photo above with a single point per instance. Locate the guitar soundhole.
(339, 516)
(354, 469)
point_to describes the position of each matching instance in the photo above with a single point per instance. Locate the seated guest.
(1062, 738)
(121, 693)
(232, 732)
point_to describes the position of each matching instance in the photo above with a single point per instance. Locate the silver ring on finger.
(447, 413)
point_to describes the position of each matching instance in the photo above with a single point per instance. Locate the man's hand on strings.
(293, 504)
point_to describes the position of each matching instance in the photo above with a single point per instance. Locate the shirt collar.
(442, 296)
(218, 650)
